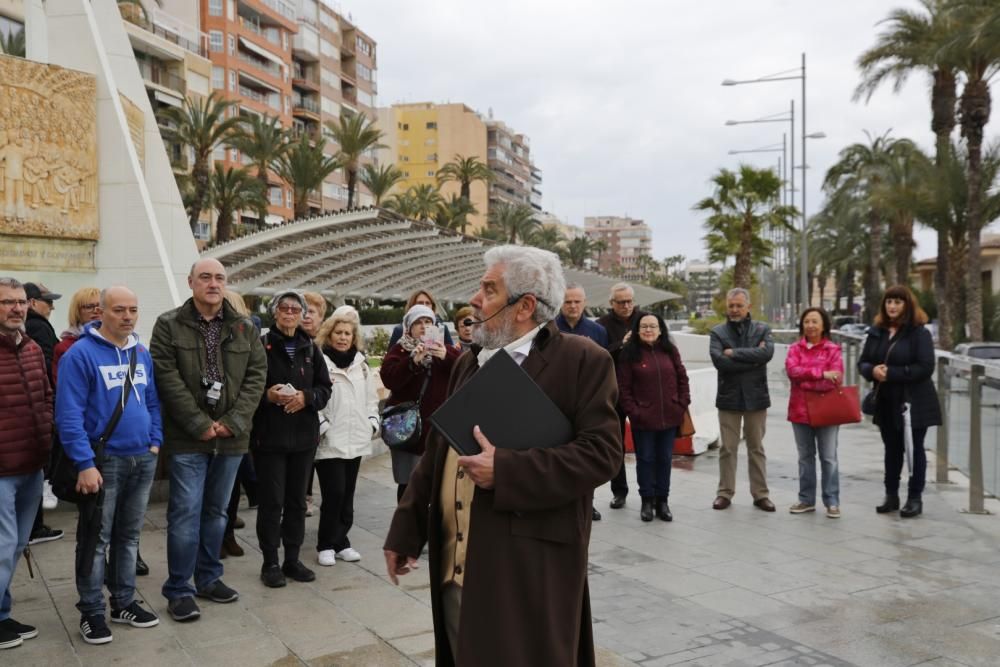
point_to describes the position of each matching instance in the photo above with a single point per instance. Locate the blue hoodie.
(91, 378)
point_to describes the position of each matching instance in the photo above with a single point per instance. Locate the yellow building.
(421, 138)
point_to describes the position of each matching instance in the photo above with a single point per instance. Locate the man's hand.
(89, 481)
(628, 334)
(480, 466)
(222, 431)
(296, 403)
(396, 565)
(154, 450)
(209, 434)
(728, 352)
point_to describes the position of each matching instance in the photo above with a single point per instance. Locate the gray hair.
(620, 287)
(738, 291)
(11, 283)
(578, 286)
(531, 271)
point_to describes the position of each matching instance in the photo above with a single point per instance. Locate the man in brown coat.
(508, 530)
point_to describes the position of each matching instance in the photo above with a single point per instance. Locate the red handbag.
(834, 407)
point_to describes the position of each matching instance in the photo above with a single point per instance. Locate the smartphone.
(433, 335)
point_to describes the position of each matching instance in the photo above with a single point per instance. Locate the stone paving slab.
(737, 587)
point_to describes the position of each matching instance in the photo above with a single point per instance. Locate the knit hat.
(414, 314)
(286, 294)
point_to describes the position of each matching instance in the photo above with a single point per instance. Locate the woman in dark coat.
(405, 367)
(899, 357)
(653, 391)
(284, 438)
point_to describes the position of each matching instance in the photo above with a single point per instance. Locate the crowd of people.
(231, 406)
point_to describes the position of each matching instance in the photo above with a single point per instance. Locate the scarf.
(409, 344)
(340, 359)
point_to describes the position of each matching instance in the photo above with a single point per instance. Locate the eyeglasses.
(295, 310)
(89, 306)
(10, 303)
(649, 327)
(622, 302)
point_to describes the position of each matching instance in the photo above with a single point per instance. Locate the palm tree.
(453, 212)
(466, 171)
(517, 221)
(380, 180)
(746, 202)
(402, 203)
(305, 166)
(548, 237)
(13, 44)
(201, 125)
(355, 135)
(907, 172)
(975, 48)
(579, 250)
(913, 41)
(263, 140)
(234, 190)
(426, 201)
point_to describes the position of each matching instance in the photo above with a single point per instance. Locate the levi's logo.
(114, 376)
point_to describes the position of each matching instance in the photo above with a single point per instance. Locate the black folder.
(510, 409)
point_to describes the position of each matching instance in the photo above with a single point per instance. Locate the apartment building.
(627, 240)
(516, 180)
(421, 138)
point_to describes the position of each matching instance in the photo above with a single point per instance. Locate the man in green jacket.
(210, 373)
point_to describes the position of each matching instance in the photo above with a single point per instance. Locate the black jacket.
(273, 429)
(743, 376)
(40, 330)
(911, 367)
(617, 329)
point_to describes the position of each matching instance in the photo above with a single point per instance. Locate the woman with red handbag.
(814, 364)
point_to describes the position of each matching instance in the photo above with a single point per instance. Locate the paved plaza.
(737, 587)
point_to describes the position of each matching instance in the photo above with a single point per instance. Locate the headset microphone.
(469, 322)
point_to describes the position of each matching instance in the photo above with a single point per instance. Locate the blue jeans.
(653, 453)
(127, 480)
(200, 486)
(19, 498)
(809, 440)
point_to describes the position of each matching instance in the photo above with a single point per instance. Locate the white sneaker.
(349, 554)
(327, 557)
(49, 500)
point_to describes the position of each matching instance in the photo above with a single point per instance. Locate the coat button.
(458, 569)
(458, 504)
(458, 537)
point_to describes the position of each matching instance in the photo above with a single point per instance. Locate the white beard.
(493, 339)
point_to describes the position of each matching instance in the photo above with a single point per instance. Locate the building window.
(232, 81)
(219, 153)
(364, 47)
(202, 231)
(364, 72)
(406, 126)
(232, 45)
(406, 174)
(215, 7)
(275, 196)
(430, 172)
(404, 158)
(432, 126)
(432, 157)
(218, 77)
(215, 40)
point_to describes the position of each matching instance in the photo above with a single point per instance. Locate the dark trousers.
(337, 480)
(619, 485)
(653, 454)
(281, 513)
(245, 476)
(895, 457)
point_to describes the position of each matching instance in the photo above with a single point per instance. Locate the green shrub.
(377, 344)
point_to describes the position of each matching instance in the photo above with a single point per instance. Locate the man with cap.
(40, 330)
(210, 371)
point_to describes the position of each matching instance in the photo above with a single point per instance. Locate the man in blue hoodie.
(94, 378)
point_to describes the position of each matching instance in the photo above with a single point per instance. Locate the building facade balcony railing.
(162, 77)
(261, 64)
(134, 15)
(306, 104)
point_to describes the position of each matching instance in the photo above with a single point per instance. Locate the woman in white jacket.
(351, 421)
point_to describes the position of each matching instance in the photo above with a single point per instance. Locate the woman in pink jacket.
(814, 363)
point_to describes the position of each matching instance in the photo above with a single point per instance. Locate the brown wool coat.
(525, 600)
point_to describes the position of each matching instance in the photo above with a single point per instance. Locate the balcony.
(160, 76)
(158, 26)
(304, 78)
(305, 107)
(263, 65)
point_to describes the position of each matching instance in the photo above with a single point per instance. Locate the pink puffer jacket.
(805, 366)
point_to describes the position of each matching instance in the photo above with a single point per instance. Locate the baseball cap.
(40, 292)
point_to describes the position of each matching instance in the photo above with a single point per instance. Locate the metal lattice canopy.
(374, 253)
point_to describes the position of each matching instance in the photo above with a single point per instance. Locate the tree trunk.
(953, 295)
(352, 182)
(224, 225)
(302, 205)
(466, 193)
(873, 293)
(821, 286)
(975, 110)
(942, 124)
(742, 269)
(942, 293)
(903, 246)
(199, 176)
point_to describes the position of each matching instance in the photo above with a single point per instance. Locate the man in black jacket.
(740, 349)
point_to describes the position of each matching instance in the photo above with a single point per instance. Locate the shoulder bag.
(401, 423)
(870, 402)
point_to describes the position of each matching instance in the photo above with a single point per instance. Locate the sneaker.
(183, 609)
(94, 630)
(833, 512)
(45, 534)
(219, 592)
(49, 500)
(801, 508)
(349, 554)
(272, 576)
(20, 629)
(298, 572)
(135, 616)
(327, 557)
(9, 638)
(310, 508)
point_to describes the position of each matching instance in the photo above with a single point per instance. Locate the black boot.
(912, 508)
(646, 512)
(663, 510)
(889, 504)
(141, 569)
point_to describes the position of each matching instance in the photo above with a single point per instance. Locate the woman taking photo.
(284, 438)
(420, 298)
(899, 358)
(653, 392)
(814, 364)
(415, 358)
(352, 414)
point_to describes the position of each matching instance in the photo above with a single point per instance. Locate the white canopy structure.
(375, 253)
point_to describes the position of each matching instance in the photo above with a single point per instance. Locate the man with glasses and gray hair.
(740, 349)
(525, 572)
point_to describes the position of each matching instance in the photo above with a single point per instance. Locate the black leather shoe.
(618, 502)
(595, 516)
(646, 513)
(141, 569)
(889, 504)
(297, 571)
(663, 510)
(912, 508)
(272, 576)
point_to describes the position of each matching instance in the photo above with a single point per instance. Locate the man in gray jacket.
(740, 349)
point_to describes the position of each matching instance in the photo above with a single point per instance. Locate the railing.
(305, 104)
(134, 15)
(969, 438)
(261, 64)
(162, 77)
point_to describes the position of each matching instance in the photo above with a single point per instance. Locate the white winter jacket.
(352, 411)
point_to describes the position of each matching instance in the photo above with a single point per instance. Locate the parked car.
(988, 353)
(856, 328)
(841, 320)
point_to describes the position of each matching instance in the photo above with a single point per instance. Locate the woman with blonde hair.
(84, 306)
(352, 418)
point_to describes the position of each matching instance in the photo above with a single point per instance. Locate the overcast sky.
(622, 101)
